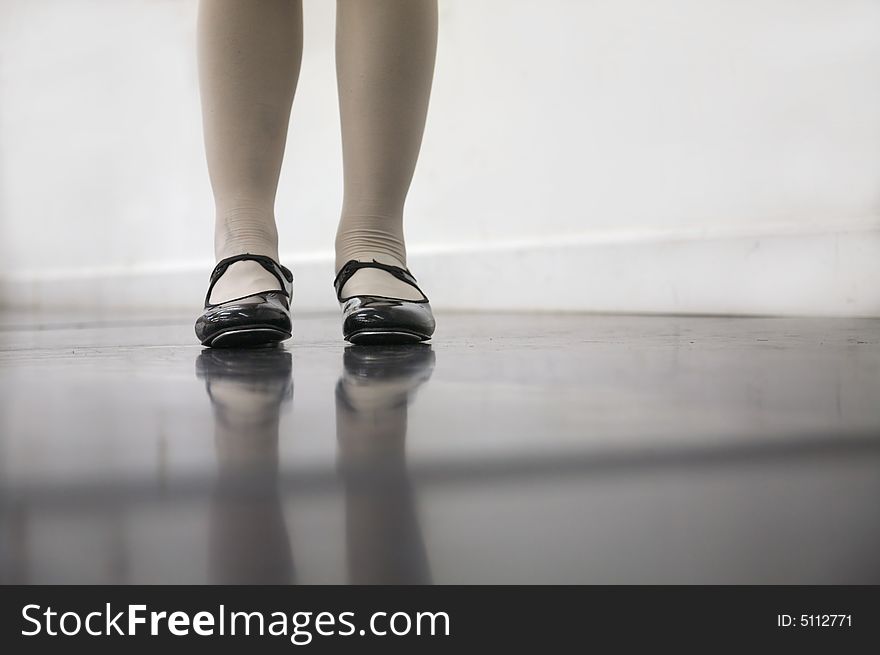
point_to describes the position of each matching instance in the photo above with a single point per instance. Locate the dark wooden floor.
(514, 449)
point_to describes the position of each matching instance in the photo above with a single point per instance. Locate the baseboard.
(820, 273)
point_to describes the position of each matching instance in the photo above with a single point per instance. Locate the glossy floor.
(515, 449)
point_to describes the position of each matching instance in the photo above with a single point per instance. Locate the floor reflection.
(248, 537)
(384, 540)
(549, 449)
(249, 391)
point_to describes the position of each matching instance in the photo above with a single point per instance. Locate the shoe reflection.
(384, 541)
(249, 542)
(248, 389)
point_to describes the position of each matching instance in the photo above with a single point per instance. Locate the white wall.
(682, 155)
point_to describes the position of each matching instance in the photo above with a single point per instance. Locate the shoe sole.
(385, 337)
(249, 337)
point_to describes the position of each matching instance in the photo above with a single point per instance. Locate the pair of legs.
(249, 61)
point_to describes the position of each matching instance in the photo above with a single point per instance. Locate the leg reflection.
(385, 544)
(249, 543)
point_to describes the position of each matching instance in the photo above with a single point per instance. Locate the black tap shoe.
(258, 319)
(368, 319)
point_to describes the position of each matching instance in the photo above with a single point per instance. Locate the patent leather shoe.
(371, 319)
(258, 319)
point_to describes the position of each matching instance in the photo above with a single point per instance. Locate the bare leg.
(385, 52)
(249, 60)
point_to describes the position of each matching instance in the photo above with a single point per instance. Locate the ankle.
(240, 231)
(365, 237)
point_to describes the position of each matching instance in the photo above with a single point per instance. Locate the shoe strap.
(352, 266)
(281, 273)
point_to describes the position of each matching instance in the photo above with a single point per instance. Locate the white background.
(712, 156)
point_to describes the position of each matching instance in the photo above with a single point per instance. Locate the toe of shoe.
(271, 311)
(384, 315)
